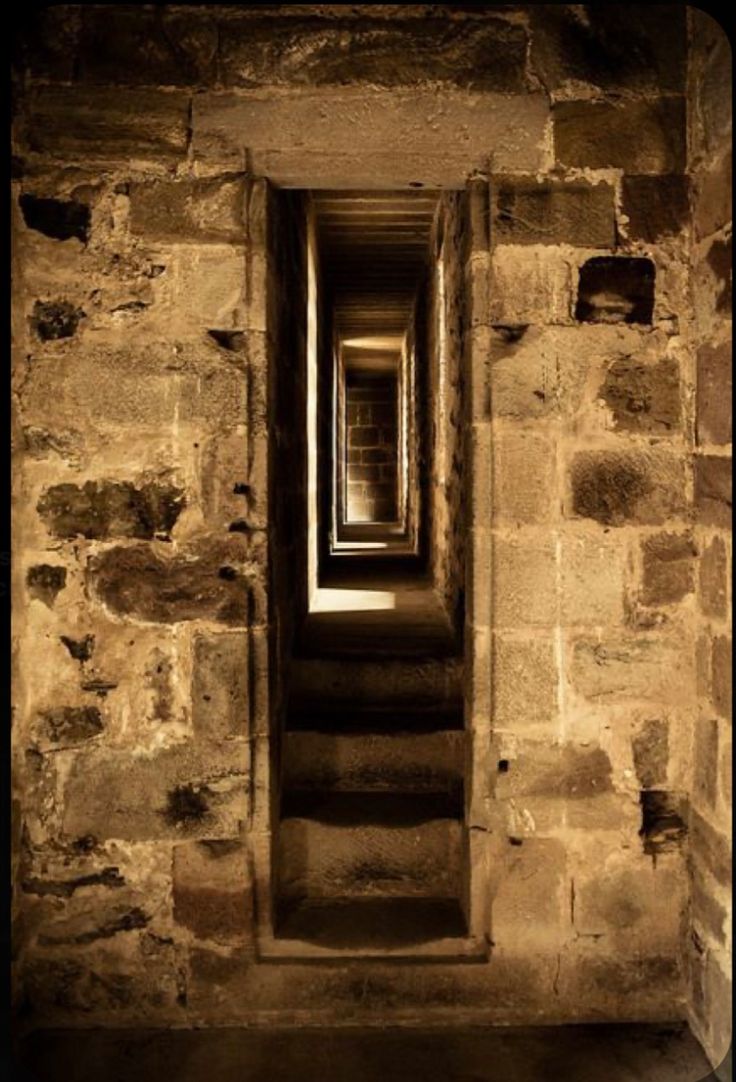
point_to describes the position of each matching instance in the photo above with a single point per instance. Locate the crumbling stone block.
(714, 383)
(713, 490)
(615, 487)
(179, 792)
(45, 581)
(616, 289)
(69, 725)
(713, 588)
(656, 206)
(529, 211)
(102, 509)
(668, 568)
(52, 320)
(212, 889)
(211, 580)
(60, 219)
(643, 397)
(220, 686)
(637, 136)
(208, 209)
(650, 748)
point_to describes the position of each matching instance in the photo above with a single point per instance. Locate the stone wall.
(372, 447)
(709, 946)
(147, 465)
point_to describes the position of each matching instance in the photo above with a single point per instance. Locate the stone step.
(396, 683)
(369, 845)
(373, 762)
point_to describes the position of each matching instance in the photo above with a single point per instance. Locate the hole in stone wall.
(663, 824)
(614, 289)
(56, 218)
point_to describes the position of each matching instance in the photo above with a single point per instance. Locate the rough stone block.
(714, 382)
(592, 586)
(631, 667)
(639, 137)
(722, 669)
(528, 211)
(713, 490)
(214, 579)
(713, 197)
(45, 582)
(102, 509)
(187, 211)
(712, 75)
(524, 592)
(234, 480)
(530, 284)
(656, 206)
(706, 760)
(713, 583)
(67, 726)
(487, 54)
(650, 751)
(710, 848)
(109, 125)
(617, 487)
(631, 48)
(530, 904)
(220, 686)
(559, 771)
(523, 488)
(643, 397)
(525, 680)
(708, 913)
(616, 289)
(668, 568)
(178, 792)
(212, 889)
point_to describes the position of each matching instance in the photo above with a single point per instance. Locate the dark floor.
(604, 1053)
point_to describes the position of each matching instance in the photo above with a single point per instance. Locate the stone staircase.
(371, 853)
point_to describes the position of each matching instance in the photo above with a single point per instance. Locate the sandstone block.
(713, 490)
(525, 678)
(530, 904)
(636, 136)
(650, 750)
(714, 405)
(186, 211)
(722, 669)
(656, 206)
(523, 477)
(668, 562)
(631, 667)
(181, 792)
(710, 848)
(706, 760)
(713, 583)
(524, 592)
(528, 211)
(592, 587)
(627, 486)
(530, 284)
(713, 200)
(212, 889)
(708, 913)
(220, 686)
(643, 397)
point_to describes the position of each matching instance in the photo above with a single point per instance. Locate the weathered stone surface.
(713, 585)
(639, 137)
(713, 490)
(563, 772)
(710, 848)
(593, 573)
(615, 487)
(487, 54)
(615, 289)
(668, 568)
(220, 686)
(530, 285)
(68, 725)
(212, 889)
(643, 397)
(714, 417)
(525, 681)
(528, 211)
(60, 219)
(102, 509)
(711, 63)
(706, 760)
(713, 197)
(523, 477)
(650, 749)
(722, 669)
(189, 211)
(708, 913)
(719, 259)
(524, 583)
(531, 900)
(180, 792)
(45, 581)
(629, 47)
(109, 125)
(656, 206)
(55, 319)
(211, 580)
(629, 667)
(80, 649)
